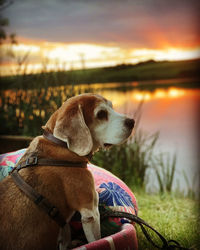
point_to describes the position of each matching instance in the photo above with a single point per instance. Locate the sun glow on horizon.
(60, 56)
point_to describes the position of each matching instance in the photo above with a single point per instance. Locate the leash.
(106, 212)
(33, 161)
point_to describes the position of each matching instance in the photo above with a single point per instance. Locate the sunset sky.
(70, 34)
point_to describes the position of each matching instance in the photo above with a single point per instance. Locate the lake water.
(174, 113)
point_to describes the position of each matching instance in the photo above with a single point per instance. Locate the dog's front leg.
(64, 237)
(91, 221)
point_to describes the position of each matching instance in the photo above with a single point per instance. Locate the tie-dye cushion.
(8, 161)
(113, 192)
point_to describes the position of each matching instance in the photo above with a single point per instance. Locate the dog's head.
(87, 122)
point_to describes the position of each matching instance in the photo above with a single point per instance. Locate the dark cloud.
(129, 23)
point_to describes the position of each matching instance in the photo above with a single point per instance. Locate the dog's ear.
(74, 131)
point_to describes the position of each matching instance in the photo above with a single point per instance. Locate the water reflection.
(119, 98)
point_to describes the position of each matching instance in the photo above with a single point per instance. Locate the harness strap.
(167, 245)
(38, 199)
(33, 160)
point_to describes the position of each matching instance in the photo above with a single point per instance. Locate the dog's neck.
(49, 136)
(48, 149)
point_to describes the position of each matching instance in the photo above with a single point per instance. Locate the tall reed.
(165, 169)
(130, 160)
(23, 112)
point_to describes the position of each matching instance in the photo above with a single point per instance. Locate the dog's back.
(22, 223)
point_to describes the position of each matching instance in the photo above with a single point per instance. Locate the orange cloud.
(64, 56)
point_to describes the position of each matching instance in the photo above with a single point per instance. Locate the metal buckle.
(18, 168)
(31, 161)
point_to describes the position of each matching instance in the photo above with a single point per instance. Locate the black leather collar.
(49, 136)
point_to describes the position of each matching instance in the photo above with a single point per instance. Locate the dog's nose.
(129, 123)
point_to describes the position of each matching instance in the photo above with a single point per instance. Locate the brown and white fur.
(86, 123)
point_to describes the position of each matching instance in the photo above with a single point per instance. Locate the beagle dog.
(85, 123)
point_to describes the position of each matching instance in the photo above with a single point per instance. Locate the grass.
(174, 217)
(150, 70)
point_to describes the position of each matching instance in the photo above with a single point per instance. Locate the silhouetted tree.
(4, 22)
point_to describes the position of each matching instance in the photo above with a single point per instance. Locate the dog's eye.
(102, 115)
